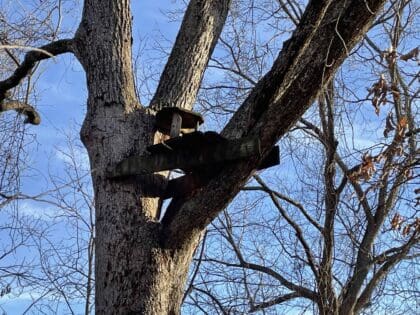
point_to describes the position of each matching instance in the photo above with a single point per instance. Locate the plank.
(226, 151)
(175, 125)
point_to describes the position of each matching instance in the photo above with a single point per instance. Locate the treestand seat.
(174, 120)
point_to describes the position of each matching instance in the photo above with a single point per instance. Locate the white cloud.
(37, 210)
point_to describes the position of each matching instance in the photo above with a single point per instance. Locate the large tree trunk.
(130, 262)
(134, 272)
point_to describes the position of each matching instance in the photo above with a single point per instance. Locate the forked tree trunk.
(141, 265)
(134, 272)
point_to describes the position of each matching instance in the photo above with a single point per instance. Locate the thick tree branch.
(31, 58)
(325, 281)
(328, 30)
(31, 114)
(302, 291)
(394, 251)
(383, 271)
(4, 44)
(201, 27)
(386, 200)
(24, 69)
(277, 300)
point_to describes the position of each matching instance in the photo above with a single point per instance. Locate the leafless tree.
(66, 252)
(141, 262)
(335, 229)
(24, 26)
(56, 274)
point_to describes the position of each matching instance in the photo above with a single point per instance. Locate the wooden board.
(156, 185)
(188, 158)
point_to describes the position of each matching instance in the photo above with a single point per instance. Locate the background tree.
(48, 241)
(289, 252)
(42, 258)
(66, 249)
(141, 262)
(18, 31)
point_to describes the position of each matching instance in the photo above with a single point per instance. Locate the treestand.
(199, 155)
(192, 150)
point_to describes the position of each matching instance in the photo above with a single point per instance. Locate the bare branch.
(295, 203)
(356, 186)
(197, 267)
(213, 298)
(383, 271)
(31, 58)
(294, 17)
(294, 225)
(277, 300)
(31, 114)
(302, 291)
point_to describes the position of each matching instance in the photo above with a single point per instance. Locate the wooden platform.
(186, 153)
(199, 155)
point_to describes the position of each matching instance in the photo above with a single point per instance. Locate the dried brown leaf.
(412, 54)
